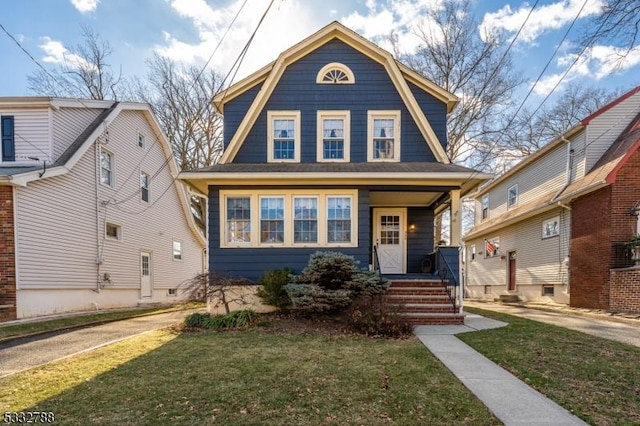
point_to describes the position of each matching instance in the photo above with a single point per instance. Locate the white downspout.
(98, 150)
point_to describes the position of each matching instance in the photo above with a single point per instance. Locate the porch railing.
(376, 260)
(448, 278)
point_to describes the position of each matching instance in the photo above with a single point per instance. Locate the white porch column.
(456, 218)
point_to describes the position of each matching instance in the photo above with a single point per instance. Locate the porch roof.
(379, 173)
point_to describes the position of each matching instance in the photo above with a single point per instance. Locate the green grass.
(16, 330)
(597, 379)
(248, 377)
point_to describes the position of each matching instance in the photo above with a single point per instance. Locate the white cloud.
(545, 18)
(596, 63)
(56, 53)
(272, 38)
(85, 6)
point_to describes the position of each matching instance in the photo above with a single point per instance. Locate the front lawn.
(597, 379)
(248, 377)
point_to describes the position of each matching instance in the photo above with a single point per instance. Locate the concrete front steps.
(423, 302)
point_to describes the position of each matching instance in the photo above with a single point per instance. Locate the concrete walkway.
(599, 324)
(506, 396)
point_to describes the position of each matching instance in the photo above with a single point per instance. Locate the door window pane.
(389, 230)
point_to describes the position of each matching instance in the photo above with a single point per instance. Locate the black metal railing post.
(448, 278)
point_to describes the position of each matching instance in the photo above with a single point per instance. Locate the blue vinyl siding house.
(334, 146)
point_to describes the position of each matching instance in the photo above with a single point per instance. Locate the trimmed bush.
(272, 291)
(330, 282)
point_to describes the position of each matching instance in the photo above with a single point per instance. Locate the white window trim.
(382, 114)
(346, 116)
(142, 172)
(515, 203)
(173, 255)
(109, 237)
(351, 79)
(544, 225)
(113, 168)
(288, 195)
(273, 115)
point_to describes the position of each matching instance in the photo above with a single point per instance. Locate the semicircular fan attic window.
(335, 73)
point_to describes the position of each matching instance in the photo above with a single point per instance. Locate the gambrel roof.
(270, 75)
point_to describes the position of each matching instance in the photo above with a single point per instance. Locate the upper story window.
(335, 73)
(107, 169)
(145, 180)
(8, 138)
(113, 231)
(141, 141)
(551, 227)
(484, 207)
(283, 140)
(177, 250)
(333, 136)
(512, 196)
(383, 140)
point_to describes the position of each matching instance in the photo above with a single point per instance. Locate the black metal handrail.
(376, 260)
(448, 278)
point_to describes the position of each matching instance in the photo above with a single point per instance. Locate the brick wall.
(7, 256)
(591, 251)
(625, 290)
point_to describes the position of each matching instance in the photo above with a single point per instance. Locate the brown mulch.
(286, 323)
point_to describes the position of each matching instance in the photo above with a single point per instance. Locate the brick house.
(554, 227)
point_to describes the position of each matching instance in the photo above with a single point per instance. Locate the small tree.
(272, 289)
(218, 289)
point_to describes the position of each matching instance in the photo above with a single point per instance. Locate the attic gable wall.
(374, 90)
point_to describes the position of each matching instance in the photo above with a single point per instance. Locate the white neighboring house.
(91, 213)
(536, 233)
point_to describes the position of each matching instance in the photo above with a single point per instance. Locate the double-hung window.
(106, 168)
(8, 138)
(512, 196)
(333, 136)
(272, 220)
(338, 219)
(238, 223)
(484, 208)
(145, 180)
(383, 142)
(305, 220)
(283, 136)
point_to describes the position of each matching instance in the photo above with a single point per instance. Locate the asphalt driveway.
(25, 353)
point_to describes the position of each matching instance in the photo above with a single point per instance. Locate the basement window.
(172, 292)
(548, 290)
(487, 289)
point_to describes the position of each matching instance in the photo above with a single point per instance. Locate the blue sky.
(189, 30)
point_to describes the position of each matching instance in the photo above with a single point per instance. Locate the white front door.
(145, 274)
(389, 232)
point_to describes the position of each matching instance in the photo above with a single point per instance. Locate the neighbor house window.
(512, 196)
(106, 168)
(283, 140)
(113, 231)
(548, 290)
(551, 227)
(335, 73)
(484, 208)
(238, 224)
(383, 136)
(305, 220)
(177, 250)
(8, 138)
(290, 218)
(338, 219)
(140, 140)
(272, 220)
(492, 247)
(333, 135)
(144, 186)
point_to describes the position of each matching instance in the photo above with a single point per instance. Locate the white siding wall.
(57, 241)
(68, 123)
(32, 133)
(605, 128)
(539, 261)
